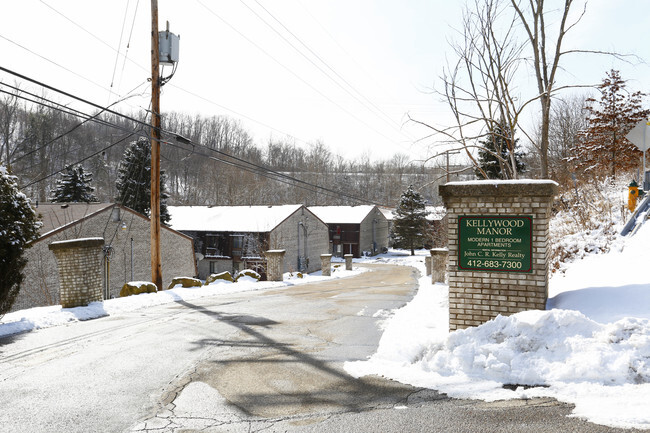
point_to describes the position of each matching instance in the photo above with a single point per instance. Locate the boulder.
(223, 276)
(247, 274)
(137, 287)
(185, 282)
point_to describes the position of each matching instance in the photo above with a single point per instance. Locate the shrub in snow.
(185, 282)
(221, 276)
(587, 219)
(18, 227)
(137, 287)
(247, 275)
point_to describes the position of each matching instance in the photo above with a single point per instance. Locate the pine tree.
(494, 157)
(603, 148)
(73, 187)
(134, 180)
(18, 227)
(410, 225)
(101, 178)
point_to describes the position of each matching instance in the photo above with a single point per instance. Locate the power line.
(240, 162)
(276, 176)
(119, 46)
(80, 161)
(69, 95)
(145, 69)
(352, 115)
(367, 102)
(128, 45)
(68, 111)
(54, 63)
(342, 48)
(172, 85)
(237, 113)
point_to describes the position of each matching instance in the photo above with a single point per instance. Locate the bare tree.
(546, 51)
(479, 88)
(568, 120)
(8, 123)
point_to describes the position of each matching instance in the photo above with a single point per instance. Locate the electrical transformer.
(168, 47)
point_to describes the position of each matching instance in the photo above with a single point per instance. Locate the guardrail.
(638, 217)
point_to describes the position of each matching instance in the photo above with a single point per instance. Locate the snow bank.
(591, 349)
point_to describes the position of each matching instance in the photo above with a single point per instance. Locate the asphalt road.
(267, 361)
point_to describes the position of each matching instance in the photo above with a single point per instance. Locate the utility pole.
(156, 266)
(447, 154)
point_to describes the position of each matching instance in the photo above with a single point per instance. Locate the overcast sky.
(386, 56)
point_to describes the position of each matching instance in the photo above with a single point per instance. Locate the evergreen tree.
(603, 148)
(410, 225)
(18, 227)
(134, 180)
(101, 178)
(73, 187)
(494, 157)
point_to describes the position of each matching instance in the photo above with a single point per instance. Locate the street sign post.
(640, 137)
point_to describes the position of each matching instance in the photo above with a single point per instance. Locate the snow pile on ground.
(45, 317)
(591, 348)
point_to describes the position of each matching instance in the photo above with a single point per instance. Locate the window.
(211, 241)
(237, 242)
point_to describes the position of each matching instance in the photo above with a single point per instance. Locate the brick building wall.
(41, 284)
(478, 296)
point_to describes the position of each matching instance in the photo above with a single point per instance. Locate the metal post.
(643, 183)
(132, 259)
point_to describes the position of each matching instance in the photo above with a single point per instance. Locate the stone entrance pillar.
(498, 248)
(326, 264)
(438, 264)
(274, 264)
(80, 270)
(348, 262)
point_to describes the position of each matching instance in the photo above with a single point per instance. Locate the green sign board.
(495, 243)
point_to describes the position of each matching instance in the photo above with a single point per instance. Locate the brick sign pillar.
(498, 248)
(80, 270)
(274, 264)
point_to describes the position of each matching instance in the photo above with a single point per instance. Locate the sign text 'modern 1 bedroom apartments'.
(495, 243)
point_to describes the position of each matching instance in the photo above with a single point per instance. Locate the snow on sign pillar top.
(498, 242)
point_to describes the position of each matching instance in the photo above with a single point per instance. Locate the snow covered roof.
(342, 214)
(229, 218)
(56, 215)
(387, 212)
